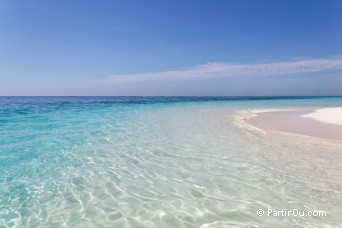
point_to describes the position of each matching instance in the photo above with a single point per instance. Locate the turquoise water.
(160, 162)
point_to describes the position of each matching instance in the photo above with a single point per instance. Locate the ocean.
(162, 162)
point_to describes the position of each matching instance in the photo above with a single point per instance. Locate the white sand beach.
(327, 115)
(322, 123)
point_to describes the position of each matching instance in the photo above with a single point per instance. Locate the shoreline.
(325, 123)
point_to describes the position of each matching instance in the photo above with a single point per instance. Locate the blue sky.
(171, 47)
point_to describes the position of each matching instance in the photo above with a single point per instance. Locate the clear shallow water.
(159, 162)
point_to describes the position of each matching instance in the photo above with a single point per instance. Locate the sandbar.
(322, 123)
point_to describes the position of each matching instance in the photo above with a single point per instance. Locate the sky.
(170, 48)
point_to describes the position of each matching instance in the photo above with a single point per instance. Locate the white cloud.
(227, 70)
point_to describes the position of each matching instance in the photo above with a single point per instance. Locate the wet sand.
(305, 122)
